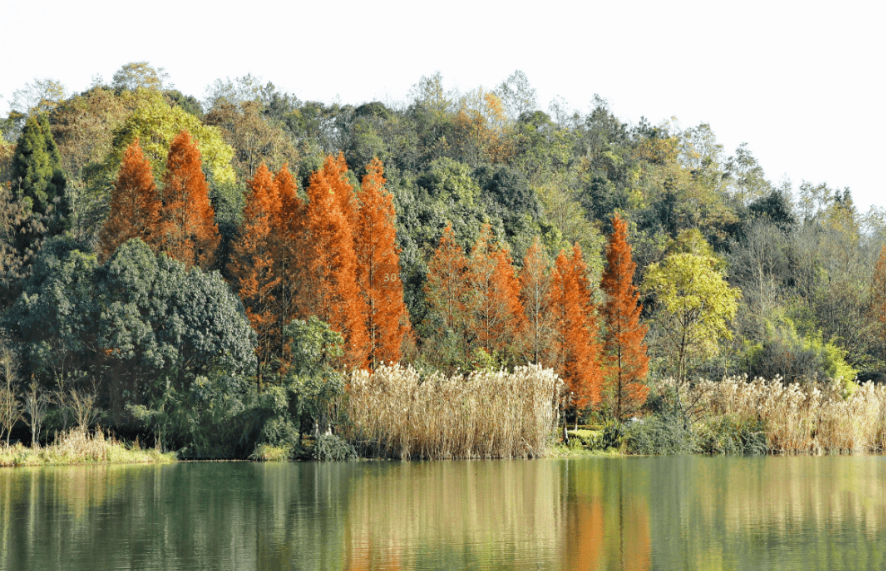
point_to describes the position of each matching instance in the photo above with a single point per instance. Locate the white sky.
(800, 82)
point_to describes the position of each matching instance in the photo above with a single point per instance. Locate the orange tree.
(625, 352)
(135, 204)
(378, 268)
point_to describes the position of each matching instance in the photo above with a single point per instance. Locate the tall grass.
(808, 418)
(80, 447)
(394, 412)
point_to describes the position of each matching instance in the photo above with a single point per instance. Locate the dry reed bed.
(396, 413)
(807, 418)
(80, 447)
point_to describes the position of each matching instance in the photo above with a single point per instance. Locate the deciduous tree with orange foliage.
(575, 347)
(189, 232)
(535, 288)
(330, 288)
(289, 248)
(252, 266)
(446, 292)
(625, 352)
(135, 205)
(497, 314)
(378, 268)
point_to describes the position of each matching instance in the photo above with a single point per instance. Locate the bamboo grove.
(204, 263)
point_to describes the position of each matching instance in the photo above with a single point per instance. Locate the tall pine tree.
(189, 232)
(37, 174)
(135, 205)
(378, 268)
(38, 182)
(626, 358)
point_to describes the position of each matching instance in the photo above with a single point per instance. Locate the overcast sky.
(800, 82)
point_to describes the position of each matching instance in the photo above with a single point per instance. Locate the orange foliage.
(378, 269)
(344, 192)
(535, 287)
(626, 358)
(189, 232)
(446, 288)
(289, 247)
(330, 289)
(135, 204)
(575, 329)
(498, 316)
(252, 266)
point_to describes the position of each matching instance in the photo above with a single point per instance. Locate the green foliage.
(313, 384)
(156, 124)
(331, 448)
(729, 435)
(37, 176)
(663, 433)
(139, 75)
(694, 305)
(211, 417)
(142, 327)
(797, 358)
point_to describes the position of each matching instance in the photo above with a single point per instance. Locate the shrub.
(663, 433)
(331, 448)
(730, 435)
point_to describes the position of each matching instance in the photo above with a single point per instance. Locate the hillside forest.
(208, 271)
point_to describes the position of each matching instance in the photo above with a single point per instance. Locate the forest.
(246, 273)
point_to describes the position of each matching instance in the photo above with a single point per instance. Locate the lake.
(689, 512)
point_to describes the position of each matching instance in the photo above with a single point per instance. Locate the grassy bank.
(80, 447)
(736, 416)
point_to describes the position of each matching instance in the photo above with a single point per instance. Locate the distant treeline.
(280, 241)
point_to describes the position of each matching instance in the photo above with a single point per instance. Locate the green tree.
(155, 123)
(143, 327)
(139, 75)
(694, 304)
(37, 174)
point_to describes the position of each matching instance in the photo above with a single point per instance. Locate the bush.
(663, 433)
(730, 435)
(613, 435)
(331, 448)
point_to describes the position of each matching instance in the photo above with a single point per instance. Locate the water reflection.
(597, 513)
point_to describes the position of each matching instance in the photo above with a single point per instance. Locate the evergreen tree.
(135, 205)
(626, 358)
(36, 168)
(189, 231)
(378, 268)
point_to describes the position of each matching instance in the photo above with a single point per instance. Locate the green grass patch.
(80, 447)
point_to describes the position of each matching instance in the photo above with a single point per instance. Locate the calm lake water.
(595, 513)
